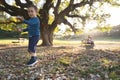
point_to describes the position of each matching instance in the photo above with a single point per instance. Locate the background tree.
(58, 10)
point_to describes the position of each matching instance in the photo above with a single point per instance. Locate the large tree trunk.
(47, 39)
(46, 29)
(46, 36)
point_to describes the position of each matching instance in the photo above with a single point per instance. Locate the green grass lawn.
(62, 42)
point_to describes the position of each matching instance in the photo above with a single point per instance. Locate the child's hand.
(20, 18)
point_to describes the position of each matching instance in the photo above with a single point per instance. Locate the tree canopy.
(54, 12)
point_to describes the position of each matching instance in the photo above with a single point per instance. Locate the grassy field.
(66, 60)
(64, 42)
(99, 44)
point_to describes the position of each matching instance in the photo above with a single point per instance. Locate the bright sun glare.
(115, 16)
(113, 20)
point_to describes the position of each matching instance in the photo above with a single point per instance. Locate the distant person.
(90, 41)
(33, 33)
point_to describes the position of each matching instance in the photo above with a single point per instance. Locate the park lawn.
(61, 62)
(69, 42)
(7, 41)
(60, 42)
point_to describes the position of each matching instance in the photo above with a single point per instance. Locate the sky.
(115, 16)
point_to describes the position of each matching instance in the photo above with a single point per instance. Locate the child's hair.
(33, 6)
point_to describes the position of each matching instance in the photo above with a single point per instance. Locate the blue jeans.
(33, 43)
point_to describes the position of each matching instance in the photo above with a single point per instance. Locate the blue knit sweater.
(33, 26)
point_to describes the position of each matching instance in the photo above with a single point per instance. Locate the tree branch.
(57, 7)
(74, 6)
(77, 16)
(69, 24)
(6, 10)
(48, 5)
(70, 8)
(21, 12)
(82, 3)
(71, 2)
(29, 2)
(18, 3)
(66, 12)
(12, 10)
(23, 5)
(8, 22)
(45, 12)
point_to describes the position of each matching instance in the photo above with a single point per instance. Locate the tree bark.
(46, 36)
(46, 31)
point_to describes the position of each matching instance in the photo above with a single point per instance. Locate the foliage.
(80, 31)
(10, 30)
(9, 34)
(89, 12)
(106, 28)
